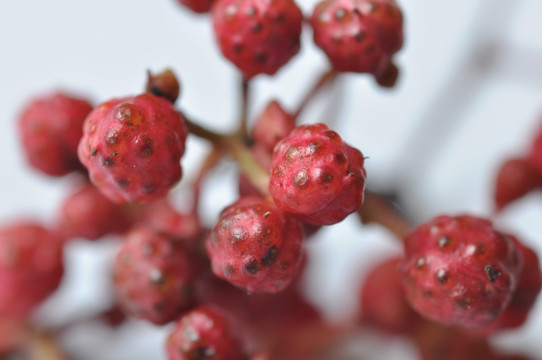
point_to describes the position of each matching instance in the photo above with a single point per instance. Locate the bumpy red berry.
(183, 227)
(255, 246)
(132, 148)
(524, 298)
(516, 178)
(316, 176)
(31, 267)
(204, 333)
(197, 6)
(358, 35)
(154, 276)
(460, 271)
(272, 125)
(87, 213)
(51, 127)
(383, 302)
(257, 36)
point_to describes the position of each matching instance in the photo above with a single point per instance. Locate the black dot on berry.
(359, 36)
(257, 28)
(94, 152)
(202, 353)
(443, 241)
(123, 183)
(156, 276)
(340, 13)
(149, 188)
(340, 158)
(107, 162)
(270, 256)
(357, 12)
(251, 11)
(463, 303)
(238, 48)
(492, 273)
(281, 18)
(326, 178)
(442, 276)
(252, 267)
(146, 147)
(260, 57)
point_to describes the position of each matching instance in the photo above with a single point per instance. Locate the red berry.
(358, 35)
(316, 176)
(516, 178)
(197, 6)
(51, 127)
(183, 227)
(88, 214)
(383, 302)
(204, 334)
(272, 125)
(524, 298)
(132, 148)
(31, 267)
(255, 246)
(154, 276)
(257, 36)
(459, 270)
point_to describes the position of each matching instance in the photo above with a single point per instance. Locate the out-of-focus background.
(469, 95)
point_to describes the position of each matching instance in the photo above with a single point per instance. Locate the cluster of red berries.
(233, 289)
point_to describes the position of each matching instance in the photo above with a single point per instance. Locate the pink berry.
(154, 276)
(255, 246)
(197, 6)
(89, 214)
(516, 178)
(50, 127)
(272, 125)
(257, 36)
(31, 267)
(459, 270)
(358, 35)
(524, 298)
(383, 302)
(316, 176)
(204, 334)
(132, 148)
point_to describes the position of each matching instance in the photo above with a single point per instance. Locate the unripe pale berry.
(132, 148)
(50, 127)
(316, 176)
(459, 270)
(272, 125)
(255, 246)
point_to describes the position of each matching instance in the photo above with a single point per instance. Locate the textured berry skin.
(383, 302)
(272, 125)
(31, 267)
(154, 276)
(204, 333)
(516, 178)
(90, 215)
(316, 176)
(197, 6)
(51, 127)
(524, 298)
(459, 270)
(132, 148)
(358, 35)
(257, 36)
(255, 246)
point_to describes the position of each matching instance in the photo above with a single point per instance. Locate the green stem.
(257, 175)
(202, 132)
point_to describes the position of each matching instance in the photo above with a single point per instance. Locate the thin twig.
(326, 78)
(245, 99)
(379, 209)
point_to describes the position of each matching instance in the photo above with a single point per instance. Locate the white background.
(469, 95)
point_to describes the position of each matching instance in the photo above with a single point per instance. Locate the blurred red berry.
(272, 125)
(515, 179)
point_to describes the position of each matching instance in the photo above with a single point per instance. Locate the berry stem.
(327, 77)
(201, 131)
(257, 175)
(379, 209)
(41, 346)
(212, 159)
(245, 99)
